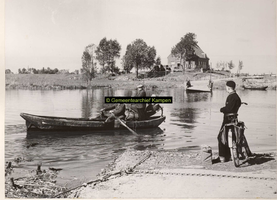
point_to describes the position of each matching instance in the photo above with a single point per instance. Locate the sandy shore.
(162, 174)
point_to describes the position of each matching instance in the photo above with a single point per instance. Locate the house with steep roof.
(197, 60)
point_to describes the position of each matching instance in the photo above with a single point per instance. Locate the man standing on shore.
(232, 106)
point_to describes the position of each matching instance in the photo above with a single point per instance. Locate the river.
(191, 121)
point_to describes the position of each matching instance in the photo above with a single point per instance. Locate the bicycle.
(237, 142)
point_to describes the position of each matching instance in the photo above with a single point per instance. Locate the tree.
(23, 71)
(35, 71)
(240, 66)
(158, 61)
(139, 55)
(55, 71)
(88, 65)
(231, 65)
(127, 64)
(185, 48)
(106, 53)
(223, 65)
(42, 71)
(8, 71)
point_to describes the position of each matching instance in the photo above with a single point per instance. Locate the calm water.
(192, 120)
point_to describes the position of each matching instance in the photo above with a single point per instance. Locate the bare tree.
(231, 65)
(240, 66)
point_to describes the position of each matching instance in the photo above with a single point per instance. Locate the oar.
(123, 124)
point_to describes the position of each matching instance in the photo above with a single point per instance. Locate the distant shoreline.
(124, 81)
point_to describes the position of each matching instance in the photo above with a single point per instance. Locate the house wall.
(173, 61)
(197, 63)
(203, 63)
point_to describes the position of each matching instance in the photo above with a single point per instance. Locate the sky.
(54, 33)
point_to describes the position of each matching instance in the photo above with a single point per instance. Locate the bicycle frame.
(236, 140)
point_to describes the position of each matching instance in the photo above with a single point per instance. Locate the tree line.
(138, 55)
(47, 70)
(223, 66)
(43, 70)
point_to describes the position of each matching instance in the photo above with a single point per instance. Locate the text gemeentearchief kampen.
(138, 100)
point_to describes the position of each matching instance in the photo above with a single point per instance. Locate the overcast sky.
(54, 33)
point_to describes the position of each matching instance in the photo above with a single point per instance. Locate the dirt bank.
(128, 81)
(36, 183)
(162, 174)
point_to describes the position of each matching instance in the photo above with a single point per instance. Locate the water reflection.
(197, 97)
(81, 149)
(187, 115)
(87, 100)
(178, 94)
(57, 134)
(93, 101)
(186, 111)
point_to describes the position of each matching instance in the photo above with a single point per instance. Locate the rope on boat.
(105, 178)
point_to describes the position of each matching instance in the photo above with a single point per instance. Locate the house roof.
(198, 52)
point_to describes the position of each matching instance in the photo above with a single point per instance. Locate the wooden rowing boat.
(255, 87)
(63, 123)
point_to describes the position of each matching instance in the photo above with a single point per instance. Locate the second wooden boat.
(255, 87)
(199, 88)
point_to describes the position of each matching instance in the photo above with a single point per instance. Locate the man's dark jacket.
(232, 103)
(141, 93)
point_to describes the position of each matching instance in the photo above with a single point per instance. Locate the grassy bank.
(73, 81)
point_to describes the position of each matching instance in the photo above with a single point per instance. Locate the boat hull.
(62, 123)
(255, 88)
(195, 89)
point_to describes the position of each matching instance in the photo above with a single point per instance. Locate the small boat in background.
(63, 123)
(199, 88)
(255, 87)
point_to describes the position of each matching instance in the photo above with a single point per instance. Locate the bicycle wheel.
(246, 146)
(235, 154)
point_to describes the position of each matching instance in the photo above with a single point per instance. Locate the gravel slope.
(161, 174)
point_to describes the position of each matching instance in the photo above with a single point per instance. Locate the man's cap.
(231, 84)
(140, 86)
